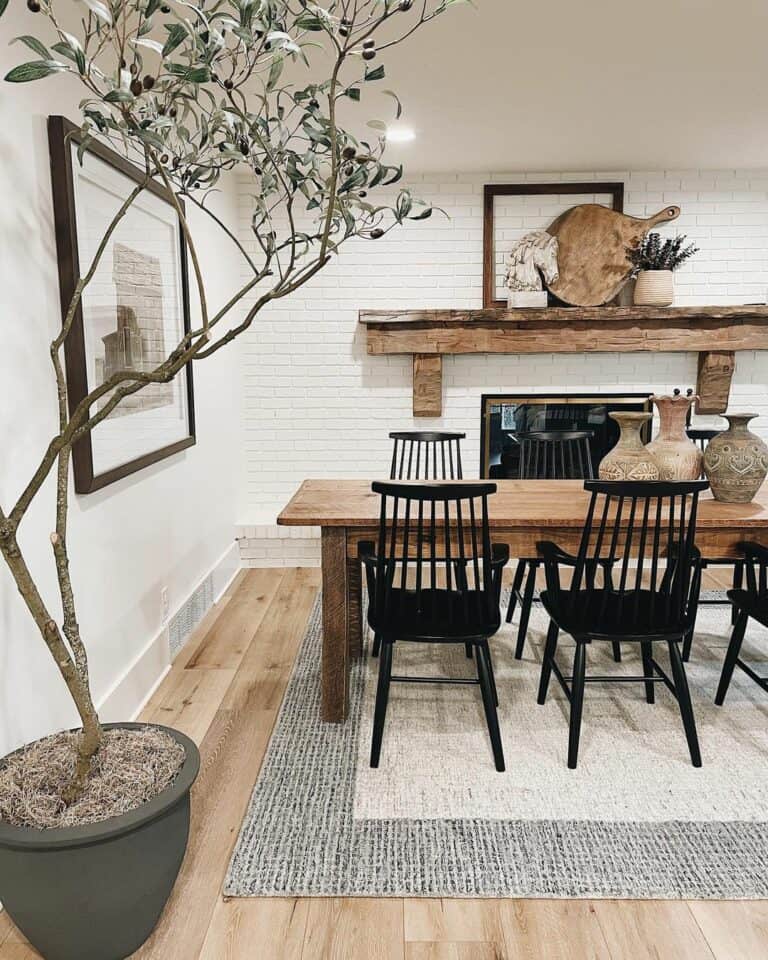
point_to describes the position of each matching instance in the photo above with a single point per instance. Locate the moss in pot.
(653, 264)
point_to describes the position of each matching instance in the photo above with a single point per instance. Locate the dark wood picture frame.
(61, 134)
(493, 190)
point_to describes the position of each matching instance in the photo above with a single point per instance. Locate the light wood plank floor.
(224, 690)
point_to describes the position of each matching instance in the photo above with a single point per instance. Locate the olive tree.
(189, 91)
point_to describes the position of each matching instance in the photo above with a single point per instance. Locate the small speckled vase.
(677, 456)
(736, 461)
(629, 459)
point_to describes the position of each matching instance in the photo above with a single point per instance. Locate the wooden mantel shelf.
(712, 332)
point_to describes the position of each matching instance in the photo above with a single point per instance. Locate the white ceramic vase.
(654, 288)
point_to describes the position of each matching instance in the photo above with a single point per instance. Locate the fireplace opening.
(504, 418)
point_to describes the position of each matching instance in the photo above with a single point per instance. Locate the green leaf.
(353, 93)
(424, 215)
(34, 70)
(100, 10)
(3, 5)
(176, 34)
(35, 46)
(119, 96)
(398, 174)
(274, 72)
(152, 6)
(376, 74)
(391, 93)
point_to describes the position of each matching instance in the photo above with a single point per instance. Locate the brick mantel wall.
(316, 405)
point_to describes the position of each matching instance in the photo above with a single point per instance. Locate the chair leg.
(546, 666)
(382, 698)
(577, 703)
(684, 702)
(468, 650)
(734, 648)
(525, 610)
(647, 652)
(616, 651)
(738, 581)
(517, 583)
(491, 717)
(687, 644)
(492, 675)
(376, 644)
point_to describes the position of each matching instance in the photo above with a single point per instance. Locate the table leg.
(335, 657)
(354, 608)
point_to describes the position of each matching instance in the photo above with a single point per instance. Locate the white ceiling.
(585, 85)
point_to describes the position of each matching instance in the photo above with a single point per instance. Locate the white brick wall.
(316, 405)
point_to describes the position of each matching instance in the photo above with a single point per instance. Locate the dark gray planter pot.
(96, 892)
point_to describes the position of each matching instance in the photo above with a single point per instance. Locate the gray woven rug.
(635, 820)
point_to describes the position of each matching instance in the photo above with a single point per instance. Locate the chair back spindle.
(425, 455)
(555, 455)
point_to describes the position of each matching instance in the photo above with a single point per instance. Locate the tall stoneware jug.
(736, 461)
(676, 454)
(629, 459)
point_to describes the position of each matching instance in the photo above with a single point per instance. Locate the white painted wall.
(316, 405)
(167, 525)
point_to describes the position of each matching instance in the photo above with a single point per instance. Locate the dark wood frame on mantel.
(493, 190)
(715, 333)
(61, 133)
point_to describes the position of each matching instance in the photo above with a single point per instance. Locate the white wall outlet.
(164, 604)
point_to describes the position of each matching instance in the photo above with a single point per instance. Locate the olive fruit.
(228, 85)
(172, 112)
(33, 6)
(343, 31)
(149, 82)
(349, 153)
(369, 54)
(137, 88)
(376, 233)
(349, 170)
(406, 5)
(165, 8)
(244, 149)
(164, 158)
(369, 43)
(314, 104)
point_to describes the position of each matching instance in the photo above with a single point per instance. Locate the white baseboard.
(133, 689)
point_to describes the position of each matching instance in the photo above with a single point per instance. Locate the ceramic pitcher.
(677, 456)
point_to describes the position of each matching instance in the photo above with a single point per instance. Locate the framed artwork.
(510, 210)
(132, 314)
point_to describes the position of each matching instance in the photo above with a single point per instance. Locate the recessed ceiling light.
(400, 134)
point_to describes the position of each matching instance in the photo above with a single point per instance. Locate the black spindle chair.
(702, 437)
(750, 602)
(425, 455)
(415, 595)
(636, 578)
(545, 455)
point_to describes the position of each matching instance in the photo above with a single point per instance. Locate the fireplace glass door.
(505, 418)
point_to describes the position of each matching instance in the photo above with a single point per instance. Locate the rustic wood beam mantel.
(713, 332)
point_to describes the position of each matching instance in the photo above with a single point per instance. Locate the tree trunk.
(91, 737)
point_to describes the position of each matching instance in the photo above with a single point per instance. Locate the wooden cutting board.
(592, 255)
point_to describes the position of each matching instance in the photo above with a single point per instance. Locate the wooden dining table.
(521, 513)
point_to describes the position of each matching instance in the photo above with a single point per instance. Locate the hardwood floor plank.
(212, 615)
(353, 929)
(188, 700)
(453, 951)
(15, 950)
(553, 930)
(450, 920)
(651, 930)
(232, 751)
(226, 642)
(734, 930)
(275, 927)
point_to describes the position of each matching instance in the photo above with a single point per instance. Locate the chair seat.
(600, 616)
(754, 604)
(437, 616)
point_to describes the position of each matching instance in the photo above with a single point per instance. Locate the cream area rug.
(636, 819)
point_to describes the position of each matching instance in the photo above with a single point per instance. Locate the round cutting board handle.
(663, 216)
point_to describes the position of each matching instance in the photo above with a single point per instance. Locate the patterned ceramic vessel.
(629, 459)
(654, 288)
(677, 456)
(736, 461)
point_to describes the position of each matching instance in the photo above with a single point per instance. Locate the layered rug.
(435, 819)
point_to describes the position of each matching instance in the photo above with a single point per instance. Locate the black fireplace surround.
(504, 416)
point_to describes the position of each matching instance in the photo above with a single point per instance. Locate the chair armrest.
(499, 554)
(754, 551)
(550, 552)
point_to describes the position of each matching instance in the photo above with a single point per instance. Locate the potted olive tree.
(94, 822)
